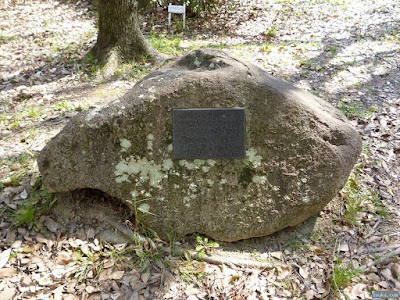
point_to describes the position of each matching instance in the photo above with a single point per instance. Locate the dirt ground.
(346, 52)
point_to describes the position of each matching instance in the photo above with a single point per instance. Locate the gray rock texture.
(299, 152)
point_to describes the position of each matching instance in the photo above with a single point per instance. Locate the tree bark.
(120, 38)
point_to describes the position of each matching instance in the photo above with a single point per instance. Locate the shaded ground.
(348, 52)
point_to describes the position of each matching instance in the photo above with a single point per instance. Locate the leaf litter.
(347, 52)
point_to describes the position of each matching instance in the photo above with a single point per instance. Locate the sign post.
(176, 9)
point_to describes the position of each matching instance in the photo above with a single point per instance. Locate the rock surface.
(300, 151)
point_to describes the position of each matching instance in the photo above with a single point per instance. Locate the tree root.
(110, 59)
(177, 251)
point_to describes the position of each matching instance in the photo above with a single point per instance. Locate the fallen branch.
(217, 260)
(380, 249)
(383, 258)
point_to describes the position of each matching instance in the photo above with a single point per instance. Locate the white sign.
(176, 9)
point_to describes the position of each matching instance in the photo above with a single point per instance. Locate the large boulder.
(299, 152)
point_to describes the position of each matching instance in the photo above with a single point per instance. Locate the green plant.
(305, 73)
(64, 106)
(204, 245)
(25, 214)
(201, 7)
(343, 274)
(333, 49)
(15, 179)
(272, 32)
(307, 64)
(353, 197)
(133, 71)
(33, 112)
(357, 197)
(39, 202)
(91, 64)
(87, 261)
(6, 38)
(379, 207)
(167, 44)
(221, 45)
(15, 124)
(350, 111)
(144, 256)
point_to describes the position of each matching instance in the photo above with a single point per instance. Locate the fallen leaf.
(8, 294)
(64, 258)
(108, 264)
(4, 256)
(192, 291)
(344, 247)
(373, 277)
(91, 289)
(117, 275)
(358, 290)
(27, 250)
(396, 271)
(26, 280)
(85, 249)
(384, 284)
(5, 272)
(24, 194)
(303, 272)
(317, 251)
(387, 273)
(145, 277)
(309, 294)
(41, 239)
(283, 271)
(11, 235)
(16, 244)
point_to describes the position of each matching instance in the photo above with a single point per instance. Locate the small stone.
(23, 195)
(51, 225)
(91, 233)
(21, 231)
(276, 254)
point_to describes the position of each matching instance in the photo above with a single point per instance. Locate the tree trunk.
(120, 38)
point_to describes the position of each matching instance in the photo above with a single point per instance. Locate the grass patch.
(20, 167)
(33, 112)
(353, 111)
(133, 71)
(272, 32)
(5, 38)
(169, 45)
(64, 106)
(343, 274)
(354, 199)
(358, 198)
(24, 215)
(39, 202)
